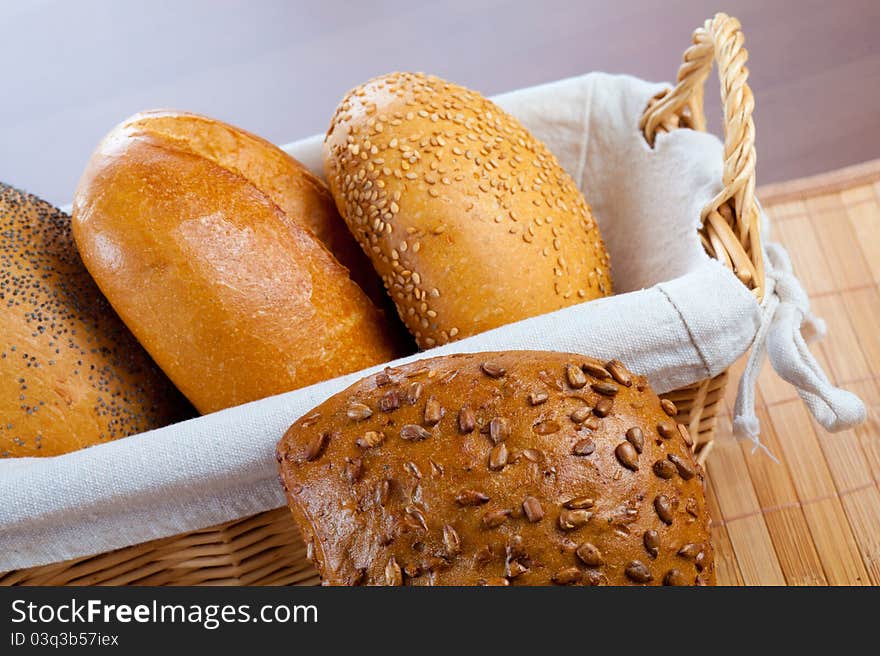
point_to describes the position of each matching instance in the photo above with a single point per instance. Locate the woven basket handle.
(731, 223)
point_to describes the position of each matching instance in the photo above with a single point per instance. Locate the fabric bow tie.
(786, 326)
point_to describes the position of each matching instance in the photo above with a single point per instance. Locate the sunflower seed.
(685, 435)
(666, 429)
(514, 548)
(471, 498)
(436, 469)
(575, 376)
(589, 555)
(675, 577)
(390, 401)
(619, 373)
(668, 407)
(417, 517)
(514, 568)
(498, 457)
(311, 420)
(596, 371)
(627, 455)
(370, 439)
(533, 510)
(316, 447)
(635, 437)
(414, 392)
(537, 398)
(663, 506)
(498, 430)
(495, 518)
(605, 389)
(414, 433)
(466, 420)
(638, 572)
(683, 466)
(603, 407)
(690, 550)
(572, 519)
(451, 541)
(413, 469)
(547, 427)
(579, 503)
(448, 378)
(358, 411)
(493, 370)
(583, 447)
(664, 469)
(568, 576)
(651, 540)
(532, 455)
(433, 411)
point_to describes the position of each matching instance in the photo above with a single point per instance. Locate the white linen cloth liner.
(678, 317)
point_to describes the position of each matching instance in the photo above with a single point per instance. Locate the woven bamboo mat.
(813, 518)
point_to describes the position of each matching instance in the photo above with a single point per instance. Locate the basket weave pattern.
(267, 549)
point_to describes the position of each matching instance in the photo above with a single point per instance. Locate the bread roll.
(302, 197)
(499, 468)
(208, 242)
(470, 221)
(71, 375)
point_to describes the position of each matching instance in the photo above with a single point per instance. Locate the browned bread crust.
(212, 245)
(71, 375)
(470, 221)
(498, 468)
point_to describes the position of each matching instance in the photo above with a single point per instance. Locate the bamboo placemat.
(813, 518)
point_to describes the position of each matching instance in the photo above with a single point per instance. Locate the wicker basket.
(266, 549)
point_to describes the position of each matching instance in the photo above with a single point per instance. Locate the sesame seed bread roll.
(470, 221)
(212, 245)
(71, 374)
(517, 468)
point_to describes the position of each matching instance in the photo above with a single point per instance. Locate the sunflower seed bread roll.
(71, 374)
(469, 220)
(525, 468)
(212, 245)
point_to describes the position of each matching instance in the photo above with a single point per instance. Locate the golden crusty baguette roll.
(285, 181)
(211, 244)
(470, 221)
(71, 374)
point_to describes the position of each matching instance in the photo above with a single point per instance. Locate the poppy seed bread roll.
(71, 374)
(470, 221)
(522, 467)
(212, 245)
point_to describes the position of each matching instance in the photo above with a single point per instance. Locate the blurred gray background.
(72, 70)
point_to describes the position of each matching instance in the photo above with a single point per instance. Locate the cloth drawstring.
(786, 326)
